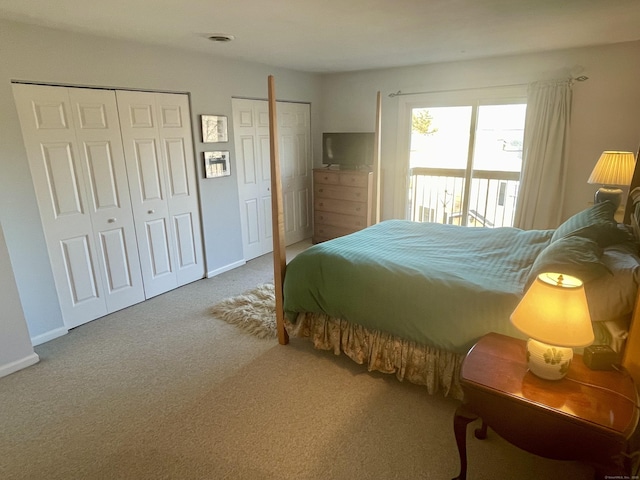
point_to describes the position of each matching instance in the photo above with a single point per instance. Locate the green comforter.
(439, 285)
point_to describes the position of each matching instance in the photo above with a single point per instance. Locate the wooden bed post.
(277, 215)
(376, 162)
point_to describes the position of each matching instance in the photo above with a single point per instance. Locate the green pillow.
(576, 256)
(596, 223)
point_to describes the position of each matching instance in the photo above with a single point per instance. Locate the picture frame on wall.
(214, 128)
(216, 164)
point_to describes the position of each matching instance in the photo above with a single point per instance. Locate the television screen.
(348, 149)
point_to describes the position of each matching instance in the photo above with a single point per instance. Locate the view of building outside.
(466, 177)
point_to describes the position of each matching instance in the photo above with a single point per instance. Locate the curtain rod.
(400, 93)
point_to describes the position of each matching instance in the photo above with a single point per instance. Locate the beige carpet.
(253, 311)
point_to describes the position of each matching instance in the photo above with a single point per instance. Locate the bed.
(411, 298)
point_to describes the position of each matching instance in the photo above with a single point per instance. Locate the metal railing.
(438, 195)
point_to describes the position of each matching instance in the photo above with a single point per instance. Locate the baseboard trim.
(25, 362)
(226, 268)
(50, 335)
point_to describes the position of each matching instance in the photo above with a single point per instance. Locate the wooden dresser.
(342, 202)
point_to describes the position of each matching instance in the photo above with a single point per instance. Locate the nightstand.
(587, 416)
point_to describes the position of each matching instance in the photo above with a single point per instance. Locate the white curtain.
(545, 155)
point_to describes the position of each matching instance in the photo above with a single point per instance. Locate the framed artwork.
(214, 128)
(216, 164)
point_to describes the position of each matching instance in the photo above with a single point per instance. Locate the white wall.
(44, 55)
(16, 351)
(606, 108)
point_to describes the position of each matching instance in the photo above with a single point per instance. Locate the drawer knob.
(321, 190)
(357, 194)
(326, 178)
(358, 209)
(322, 204)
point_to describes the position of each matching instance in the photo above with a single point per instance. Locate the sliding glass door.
(464, 162)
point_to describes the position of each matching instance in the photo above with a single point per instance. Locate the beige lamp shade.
(554, 310)
(613, 168)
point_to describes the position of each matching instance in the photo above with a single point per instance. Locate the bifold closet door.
(251, 130)
(75, 154)
(294, 129)
(156, 132)
(251, 127)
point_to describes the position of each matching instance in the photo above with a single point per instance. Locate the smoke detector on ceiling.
(221, 37)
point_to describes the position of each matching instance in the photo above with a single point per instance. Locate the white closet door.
(174, 124)
(157, 143)
(98, 132)
(295, 156)
(251, 131)
(75, 156)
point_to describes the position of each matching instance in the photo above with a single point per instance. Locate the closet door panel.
(61, 179)
(107, 187)
(187, 256)
(80, 273)
(149, 174)
(114, 247)
(55, 162)
(148, 187)
(251, 129)
(174, 124)
(160, 260)
(177, 168)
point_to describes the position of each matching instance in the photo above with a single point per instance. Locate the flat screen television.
(348, 149)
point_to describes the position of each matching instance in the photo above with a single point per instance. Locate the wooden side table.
(587, 416)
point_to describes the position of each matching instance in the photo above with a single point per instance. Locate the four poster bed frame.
(631, 355)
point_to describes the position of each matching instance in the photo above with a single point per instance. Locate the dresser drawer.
(339, 192)
(326, 177)
(322, 233)
(340, 206)
(355, 179)
(340, 220)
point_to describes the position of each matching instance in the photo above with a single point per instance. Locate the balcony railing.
(438, 195)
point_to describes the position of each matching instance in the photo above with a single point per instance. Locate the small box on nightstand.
(600, 357)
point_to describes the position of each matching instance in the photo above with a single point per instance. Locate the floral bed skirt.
(438, 370)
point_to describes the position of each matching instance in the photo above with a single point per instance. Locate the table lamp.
(613, 169)
(555, 315)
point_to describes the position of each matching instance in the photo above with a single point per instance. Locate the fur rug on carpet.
(254, 311)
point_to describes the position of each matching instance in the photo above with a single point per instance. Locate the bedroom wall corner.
(16, 351)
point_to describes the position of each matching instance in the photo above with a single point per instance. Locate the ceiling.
(344, 35)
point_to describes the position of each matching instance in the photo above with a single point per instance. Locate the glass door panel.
(465, 164)
(439, 156)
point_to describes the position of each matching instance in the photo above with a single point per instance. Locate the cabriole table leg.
(461, 419)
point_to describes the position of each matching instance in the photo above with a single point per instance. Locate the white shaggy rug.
(253, 311)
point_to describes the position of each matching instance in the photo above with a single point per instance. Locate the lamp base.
(548, 361)
(614, 195)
